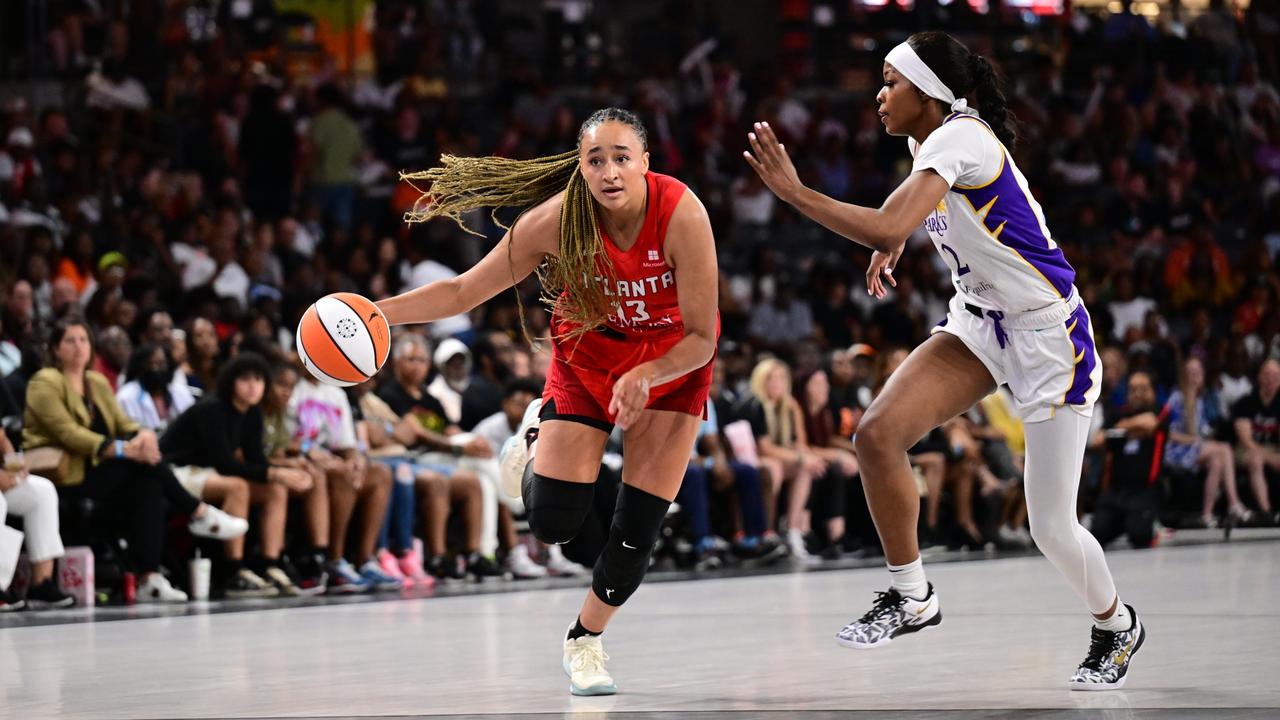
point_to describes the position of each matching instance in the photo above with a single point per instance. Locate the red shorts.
(583, 371)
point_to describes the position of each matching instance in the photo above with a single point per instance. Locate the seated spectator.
(35, 500)
(778, 426)
(813, 393)
(1131, 498)
(321, 420)
(440, 488)
(216, 449)
(154, 395)
(109, 459)
(1257, 424)
(112, 354)
(202, 355)
(1194, 414)
(309, 564)
(407, 395)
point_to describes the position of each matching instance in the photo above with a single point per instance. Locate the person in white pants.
(35, 500)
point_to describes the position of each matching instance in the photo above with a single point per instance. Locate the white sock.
(909, 580)
(1119, 621)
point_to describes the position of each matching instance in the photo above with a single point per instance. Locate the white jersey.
(988, 228)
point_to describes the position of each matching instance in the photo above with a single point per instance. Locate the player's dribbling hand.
(772, 163)
(882, 263)
(630, 395)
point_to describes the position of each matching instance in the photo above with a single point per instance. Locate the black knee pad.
(556, 508)
(636, 523)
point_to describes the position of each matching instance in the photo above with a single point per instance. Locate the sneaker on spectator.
(1240, 516)
(48, 596)
(379, 579)
(390, 565)
(446, 569)
(481, 567)
(156, 589)
(521, 566)
(310, 574)
(10, 602)
(217, 525)
(1011, 537)
(249, 584)
(411, 568)
(795, 543)
(344, 580)
(561, 566)
(515, 451)
(284, 582)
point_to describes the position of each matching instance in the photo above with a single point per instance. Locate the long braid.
(462, 184)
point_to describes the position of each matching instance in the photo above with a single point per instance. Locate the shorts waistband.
(1045, 317)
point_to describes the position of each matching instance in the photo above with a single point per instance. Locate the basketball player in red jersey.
(632, 258)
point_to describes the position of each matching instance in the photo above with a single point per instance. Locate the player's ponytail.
(967, 74)
(462, 184)
(992, 105)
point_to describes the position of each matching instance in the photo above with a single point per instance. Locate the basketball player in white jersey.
(1016, 319)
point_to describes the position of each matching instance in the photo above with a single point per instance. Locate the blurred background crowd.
(180, 179)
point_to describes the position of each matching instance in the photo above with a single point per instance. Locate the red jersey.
(644, 287)
(645, 326)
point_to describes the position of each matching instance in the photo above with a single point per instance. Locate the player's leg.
(658, 449)
(1055, 453)
(939, 380)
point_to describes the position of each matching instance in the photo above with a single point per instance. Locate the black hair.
(626, 117)
(520, 385)
(966, 72)
(245, 364)
(141, 357)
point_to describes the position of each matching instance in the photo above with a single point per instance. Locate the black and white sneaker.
(893, 614)
(1110, 653)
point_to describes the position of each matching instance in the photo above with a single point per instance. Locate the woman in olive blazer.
(106, 457)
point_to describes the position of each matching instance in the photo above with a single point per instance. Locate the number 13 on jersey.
(637, 313)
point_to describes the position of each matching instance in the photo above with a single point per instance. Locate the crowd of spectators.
(190, 192)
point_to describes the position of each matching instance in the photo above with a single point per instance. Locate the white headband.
(910, 66)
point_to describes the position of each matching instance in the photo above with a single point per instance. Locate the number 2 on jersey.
(639, 316)
(960, 269)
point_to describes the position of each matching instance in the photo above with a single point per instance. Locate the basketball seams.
(373, 346)
(337, 345)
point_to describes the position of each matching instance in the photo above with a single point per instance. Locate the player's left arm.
(691, 250)
(882, 229)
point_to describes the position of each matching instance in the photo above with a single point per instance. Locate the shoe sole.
(1119, 683)
(253, 594)
(855, 645)
(43, 605)
(347, 589)
(593, 691)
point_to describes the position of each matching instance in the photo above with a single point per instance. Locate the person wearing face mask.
(152, 396)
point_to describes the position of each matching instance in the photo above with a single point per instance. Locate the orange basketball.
(343, 339)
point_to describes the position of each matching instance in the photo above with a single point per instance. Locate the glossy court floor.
(755, 647)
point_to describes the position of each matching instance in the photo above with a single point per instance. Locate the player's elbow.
(885, 236)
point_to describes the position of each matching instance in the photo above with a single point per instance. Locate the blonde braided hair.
(461, 184)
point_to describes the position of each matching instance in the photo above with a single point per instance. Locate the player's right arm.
(536, 235)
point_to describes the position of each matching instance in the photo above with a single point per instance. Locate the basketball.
(343, 339)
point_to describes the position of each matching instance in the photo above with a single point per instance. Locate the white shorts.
(193, 478)
(1046, 357)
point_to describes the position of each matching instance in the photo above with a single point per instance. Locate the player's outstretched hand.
(772, 164)
(630, 395)
(882, 262)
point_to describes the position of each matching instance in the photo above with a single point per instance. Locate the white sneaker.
(892, 615)
(521, 566)
(515, 451)
(561, 566)
(156, 589)
(217, 525)
(1012, 537)
(795, 543)
(584, 664)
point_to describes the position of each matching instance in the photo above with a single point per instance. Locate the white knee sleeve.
(1055, 453)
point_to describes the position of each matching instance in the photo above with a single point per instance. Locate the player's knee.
(1051, 535)
(636, 523)
(876, 438)
(556, 508)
